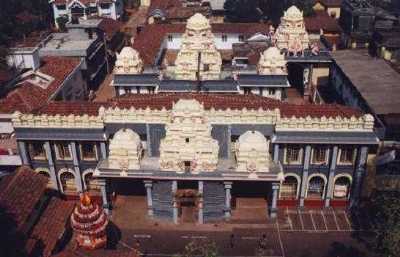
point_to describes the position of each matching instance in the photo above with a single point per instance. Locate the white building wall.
(231, 38)
(24, 59)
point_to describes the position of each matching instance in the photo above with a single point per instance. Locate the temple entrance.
(187, 200)
(133, 187)
(250, 201)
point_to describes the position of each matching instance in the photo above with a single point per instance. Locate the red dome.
(89, 223)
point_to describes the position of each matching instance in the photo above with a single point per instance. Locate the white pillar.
(274, 204)
(148, 185)
(103, 190)
(78, 176)
(304, 181)
(276, 153)
(174, 202)
(332, 168)
(23, 152)
(53, 175)
(103, 150)
(201, 214)
(228, 197)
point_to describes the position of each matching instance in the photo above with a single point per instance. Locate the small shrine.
(125, 150)
(89, 223)
(198, 53)
(252, 152)
(272, 62)
(291, 33)
(188, 145)
(128, 62)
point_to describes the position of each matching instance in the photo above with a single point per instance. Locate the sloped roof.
(19, 193)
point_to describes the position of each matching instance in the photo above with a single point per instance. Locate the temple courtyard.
(296, 233)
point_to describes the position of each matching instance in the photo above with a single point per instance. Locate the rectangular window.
(36, 151)
(320, 155)
(170, 38)
(63, 151)
(247, 90)
(346, 155)
(88, 151)
(224, 38)
(105, 6)
(271, 91)
(241, 38)
(293, 154)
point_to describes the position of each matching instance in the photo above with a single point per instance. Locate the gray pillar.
(304, 180)
(53, 175)
(359, 175)
(201, 214)
(103, 150)
(78, 176)
(23, 152)
(103, 190)
(148, 185)
(276, 153)
(228, 197)
(174, 202)
(332, 168)
(274, 204)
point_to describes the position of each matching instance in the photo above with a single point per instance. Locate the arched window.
(289, 188)
(45, 172)
(91, 184)
(316, 188)
(341, 189)
(67, 180)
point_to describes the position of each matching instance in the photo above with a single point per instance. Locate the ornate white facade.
(291, 33)
(188, 144)
(125, 150)
(198, 52)
(272, 62)
(252, 152)
(128, 62)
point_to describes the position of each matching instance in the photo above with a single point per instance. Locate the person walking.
(231, 241)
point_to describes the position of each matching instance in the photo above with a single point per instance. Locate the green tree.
(202, 248)
(242, 10)
(385, 212)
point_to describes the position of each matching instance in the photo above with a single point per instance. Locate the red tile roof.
(163, 4)
(50, 227)
(28, 97)
(321, 20)
(149, 49)
(19, 193)
(232, 101)
(110, 27)
(330, 3)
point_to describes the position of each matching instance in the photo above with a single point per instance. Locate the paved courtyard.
(296, 233)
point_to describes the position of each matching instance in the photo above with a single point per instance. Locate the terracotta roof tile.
(232, 101)
(321, 20)
(110, 27)
(50, 227)
(330, 3)
(28, 97)
(19, 193)
(149, 49)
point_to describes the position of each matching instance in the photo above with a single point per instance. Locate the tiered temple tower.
(188, 145)
(198, 52)
(272, 62)
(89, 223)
(291, 33)
(128, 62)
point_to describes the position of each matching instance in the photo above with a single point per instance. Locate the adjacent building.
(113, 9)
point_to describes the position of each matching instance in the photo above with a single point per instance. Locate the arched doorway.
(45, 172)
(316, 187)
(341, 188)
(91, 184)
(67, 181)
(289, 188)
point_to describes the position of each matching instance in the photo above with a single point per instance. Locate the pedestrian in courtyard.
(232, 239)
(262, 243)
